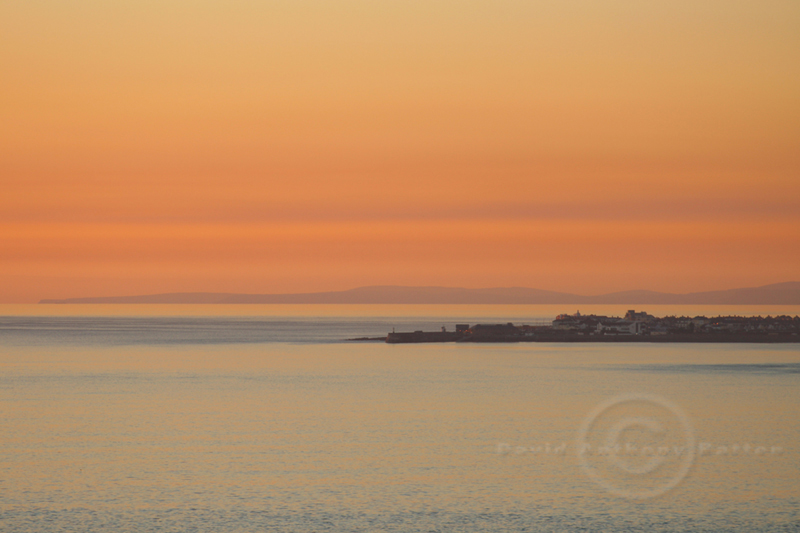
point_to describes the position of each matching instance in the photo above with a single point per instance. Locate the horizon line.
(788, 291)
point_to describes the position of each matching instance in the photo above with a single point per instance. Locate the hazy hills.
(777, 294)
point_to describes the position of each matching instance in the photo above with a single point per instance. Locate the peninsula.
(633, 327)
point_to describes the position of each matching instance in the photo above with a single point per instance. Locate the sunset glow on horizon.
(299, 146)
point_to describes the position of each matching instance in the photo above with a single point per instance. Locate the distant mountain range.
(777, 294)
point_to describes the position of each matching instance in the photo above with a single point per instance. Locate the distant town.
(633, 327)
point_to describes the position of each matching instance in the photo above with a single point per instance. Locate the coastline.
(700, 338)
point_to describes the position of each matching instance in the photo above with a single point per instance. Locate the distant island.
(787, 293)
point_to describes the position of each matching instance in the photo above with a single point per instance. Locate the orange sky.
(290, 146)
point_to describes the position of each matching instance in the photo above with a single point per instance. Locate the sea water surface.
(252, 418)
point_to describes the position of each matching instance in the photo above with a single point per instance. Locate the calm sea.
(262, 418)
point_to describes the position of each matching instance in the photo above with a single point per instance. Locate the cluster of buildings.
(641, 323)
(633, 327)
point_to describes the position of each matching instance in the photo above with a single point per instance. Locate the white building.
(623, 327)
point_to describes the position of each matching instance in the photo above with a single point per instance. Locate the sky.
(297, 145)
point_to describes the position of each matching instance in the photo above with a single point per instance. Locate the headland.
(633, 327)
